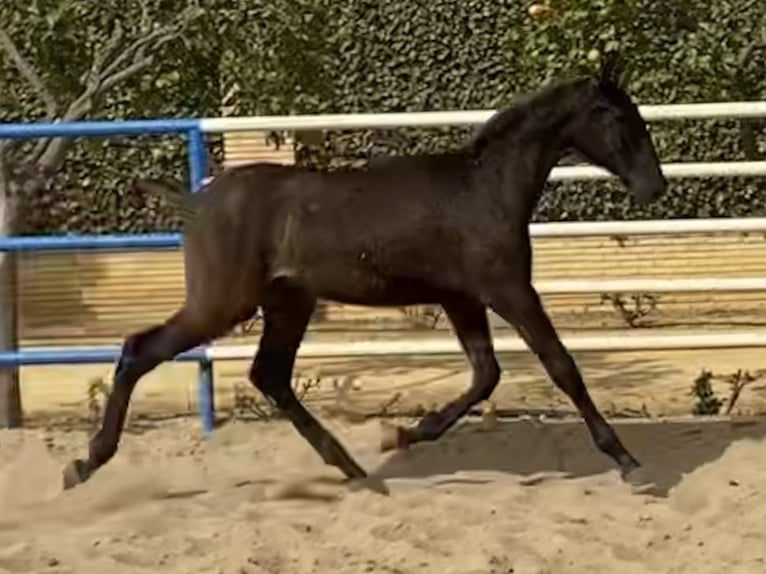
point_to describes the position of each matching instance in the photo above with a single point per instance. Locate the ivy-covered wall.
(321, 56)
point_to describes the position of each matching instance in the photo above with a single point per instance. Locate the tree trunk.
(10, 392)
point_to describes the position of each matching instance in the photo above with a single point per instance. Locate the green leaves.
(321, 56)
(405, 57)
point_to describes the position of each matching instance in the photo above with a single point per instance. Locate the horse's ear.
(610, 69)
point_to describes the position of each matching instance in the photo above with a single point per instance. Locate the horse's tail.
(172, 192)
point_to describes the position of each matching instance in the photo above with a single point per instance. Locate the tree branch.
(123, 75)
(102, 55)
(28, 72)
(113, 63)
(748, 51)
(5, 148)
(132, 51)
(111, 67)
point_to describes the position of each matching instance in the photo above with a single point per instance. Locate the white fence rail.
(671, 170)
(702, 111)
(651, 113)
(648, 227)
(720, 110)
(567, 287)
(505, 344)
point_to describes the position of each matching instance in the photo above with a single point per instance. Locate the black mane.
(558, 97)
(530, 108)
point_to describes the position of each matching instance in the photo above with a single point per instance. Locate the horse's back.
(347, 234)
(380, 235)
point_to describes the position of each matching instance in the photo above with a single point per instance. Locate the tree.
(27, 168)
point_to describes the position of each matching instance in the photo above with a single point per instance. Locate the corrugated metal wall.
(71, 298)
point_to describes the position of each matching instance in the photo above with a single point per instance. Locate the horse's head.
(609, 130)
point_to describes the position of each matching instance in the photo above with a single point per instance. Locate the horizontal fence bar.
(704, 111)
(670, 170)
(716, 110)
(80, 356)
(445, 346)
(648, 227)
(547, 229)
(104, 128)
(651, 285)
(67, 242)
(96, 128)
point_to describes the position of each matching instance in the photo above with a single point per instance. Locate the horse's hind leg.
(469, 319)
(520, 305)
(141, 353)
(285, 320)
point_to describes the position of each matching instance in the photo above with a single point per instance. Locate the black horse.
(448, 229)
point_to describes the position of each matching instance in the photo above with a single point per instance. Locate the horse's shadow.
(667, 450)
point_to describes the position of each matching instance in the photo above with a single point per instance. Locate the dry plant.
(343, 407)
(249, 402)
(634, 309)
(706, 400)
(424, 315)
(737, 382)
(98, 392)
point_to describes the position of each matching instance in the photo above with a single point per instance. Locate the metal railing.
(195, 129)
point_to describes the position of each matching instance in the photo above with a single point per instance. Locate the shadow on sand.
(667, 450)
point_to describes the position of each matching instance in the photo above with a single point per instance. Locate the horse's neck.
(522, 162)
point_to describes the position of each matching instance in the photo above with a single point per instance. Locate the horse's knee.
(134, 360)
(270, 373)
(127, 362)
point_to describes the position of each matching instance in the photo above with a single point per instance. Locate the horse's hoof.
(369, 483)
(639, 480)
(353, 471)
(75, 473)
(392, 437)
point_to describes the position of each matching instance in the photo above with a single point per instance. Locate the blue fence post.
(206, 390)
(197, 158)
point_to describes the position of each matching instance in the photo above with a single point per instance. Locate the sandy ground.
(527, 497)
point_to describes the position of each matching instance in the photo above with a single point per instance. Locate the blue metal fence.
(197, 164)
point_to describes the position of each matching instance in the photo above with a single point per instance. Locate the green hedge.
(322, 56)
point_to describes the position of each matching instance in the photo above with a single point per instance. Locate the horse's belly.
(355, 288)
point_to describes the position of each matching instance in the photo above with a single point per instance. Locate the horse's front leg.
(520, 305)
